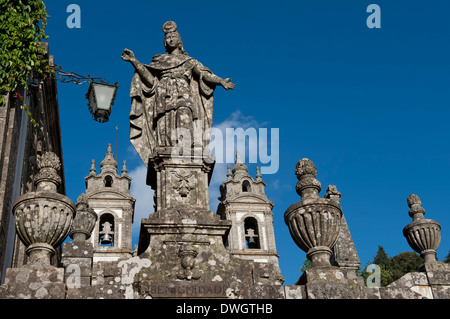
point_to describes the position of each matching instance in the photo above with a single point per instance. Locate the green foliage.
(393, 268)
(404, 263)
(22, 25)
(447, 258)
(306, 265)
(381, 258)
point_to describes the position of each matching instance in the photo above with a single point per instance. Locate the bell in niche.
(106, 232)
(106, 240)
(251, 239)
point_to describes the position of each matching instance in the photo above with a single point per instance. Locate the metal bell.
(106, 240)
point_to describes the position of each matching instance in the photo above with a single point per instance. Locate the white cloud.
(226, 156)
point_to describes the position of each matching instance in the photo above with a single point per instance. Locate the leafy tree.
(381, 258)
(393, 268)
(404, 263)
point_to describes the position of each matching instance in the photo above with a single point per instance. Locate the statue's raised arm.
(144, 73)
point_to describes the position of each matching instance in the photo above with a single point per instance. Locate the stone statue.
(174, 91)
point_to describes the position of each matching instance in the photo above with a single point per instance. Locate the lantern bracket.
(76, 78)
(101, 116)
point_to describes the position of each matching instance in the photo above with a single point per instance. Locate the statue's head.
(172, 38)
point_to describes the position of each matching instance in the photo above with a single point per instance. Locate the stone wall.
(20, 144)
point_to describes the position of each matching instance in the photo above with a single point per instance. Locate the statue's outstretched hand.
(127, 55)
(227, 85)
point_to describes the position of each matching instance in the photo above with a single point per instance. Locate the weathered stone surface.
(43, 218)
(438, 273)
(208, 261)
(84, 221)
(345, 254)
(183, 289)
(333, 290)
(416, 281)
(399, 293)
(77, 266)
(330, 275)
(77, 249)
(107, 269)
(295, 292)
(34, 281)
(441, 291)
(411, 279)
(267, 292)
(314, 223)
(423, 235)
(180, 180)
(82, 292)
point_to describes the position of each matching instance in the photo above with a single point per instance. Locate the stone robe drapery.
(178, 94)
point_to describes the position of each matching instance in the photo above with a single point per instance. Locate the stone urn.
(423, 235)
(43, 218)
(313, 222)
(84, 221)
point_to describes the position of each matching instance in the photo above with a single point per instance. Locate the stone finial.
(47, 179)
(314, 222)
(416, 210)
(332, 193)
(82, 202)
(84, 221)
(109, 163)
(423, 235)
(229, 174)
(305, 167)
(124, 168)
(48, 160)
(238, 157)
(258, 174)
(239, 166)
(92, 170)
(308, 186)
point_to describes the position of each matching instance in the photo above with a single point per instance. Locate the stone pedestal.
(184, 241)
(438, 275)
(186, 251)
(180, 180)
(333, 282)
(34, 281)
(334, 275)
(77, 260)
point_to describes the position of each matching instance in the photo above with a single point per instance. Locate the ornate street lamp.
(101, 94)
(101, 97)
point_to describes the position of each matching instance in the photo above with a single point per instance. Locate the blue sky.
(370, 107)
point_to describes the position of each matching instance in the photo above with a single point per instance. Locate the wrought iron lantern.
(101, 97)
